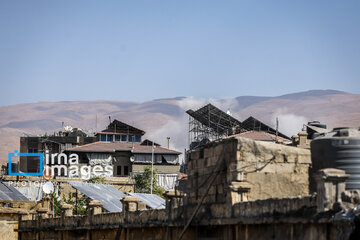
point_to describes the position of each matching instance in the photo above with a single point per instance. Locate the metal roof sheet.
(151, 200)
(8, 192)
(107, 194)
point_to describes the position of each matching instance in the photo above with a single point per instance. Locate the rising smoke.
(289, 123)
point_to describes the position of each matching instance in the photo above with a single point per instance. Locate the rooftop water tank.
(340, 149)
(314, 128)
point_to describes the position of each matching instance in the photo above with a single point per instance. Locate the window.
(131, 138)
(103, 138)
(123, 138)
(117, 138)
(118, 170)
(126, 170)
(109, 138)
(137, 138)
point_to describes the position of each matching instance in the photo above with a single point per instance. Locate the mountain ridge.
(161, 118)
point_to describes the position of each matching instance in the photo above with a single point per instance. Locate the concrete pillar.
(174, 199)
(130, 204)
(21, 217)
(66, 210)
(95, 207)
(42, 213)
(45, 202)
(295, 140)
(303, 141)
(330, 183)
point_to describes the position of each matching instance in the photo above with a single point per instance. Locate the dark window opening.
(117, 138)
(118, 170)
(123, 138)
(103, 138)
(137, 138)
(202, 153)
(126, 170)
(109, 138)
(32, 150)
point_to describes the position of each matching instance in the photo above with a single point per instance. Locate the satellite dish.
(132, 159)
(48, 187)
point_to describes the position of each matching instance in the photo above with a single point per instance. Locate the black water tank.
(340, 149)
(312, 133)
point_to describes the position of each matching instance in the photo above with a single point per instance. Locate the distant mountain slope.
(163, 118)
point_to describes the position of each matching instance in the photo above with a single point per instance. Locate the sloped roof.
(8, 192)
(151, 200)
(105, 193)
(148, 142)
(216, 119)
(118, 127)
(255, 124)
(121, 147)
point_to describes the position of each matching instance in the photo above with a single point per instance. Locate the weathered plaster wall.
(269, 170)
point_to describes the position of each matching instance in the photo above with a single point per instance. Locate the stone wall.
(9, 215)
(252, 169)
(291, 218)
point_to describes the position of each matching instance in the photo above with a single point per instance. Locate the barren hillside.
(166, 117)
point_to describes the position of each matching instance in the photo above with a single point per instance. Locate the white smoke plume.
(289, 123)
(177, 129)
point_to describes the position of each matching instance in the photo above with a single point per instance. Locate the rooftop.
(259, 136)
(118, 127)
(134, 147)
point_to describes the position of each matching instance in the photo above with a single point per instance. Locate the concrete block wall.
(273, 170)
(249, 170)
(210, 164)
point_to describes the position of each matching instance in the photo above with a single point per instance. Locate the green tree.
(55, 204)
(97, 179)
(143, 183)
(79, 204)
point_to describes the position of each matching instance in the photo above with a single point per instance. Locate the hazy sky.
(141, 50)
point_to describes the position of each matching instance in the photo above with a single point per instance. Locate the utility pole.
(277, 129)
(152, 168)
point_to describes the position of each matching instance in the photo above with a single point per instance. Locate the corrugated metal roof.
(107, 194)
(151, 200)
(33, 193)
(8, 192)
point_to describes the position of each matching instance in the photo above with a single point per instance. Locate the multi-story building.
(52, 144)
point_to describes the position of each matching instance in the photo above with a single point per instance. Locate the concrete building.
(56, 143)
(128, 158)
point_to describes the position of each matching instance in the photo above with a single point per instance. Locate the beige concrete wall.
(159, 168)
(7, 228)
(273, 170)
(270, 170)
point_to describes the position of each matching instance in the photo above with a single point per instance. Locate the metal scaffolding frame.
(209, 123)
